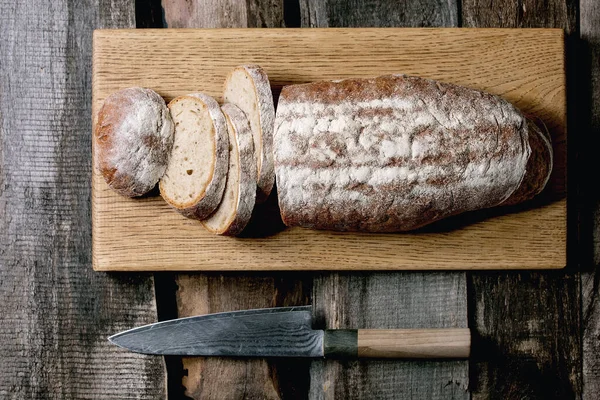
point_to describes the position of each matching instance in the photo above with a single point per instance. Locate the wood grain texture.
(414, 343)
(590, 287)
(520, 14)
(205, 14)
(590, 277)
(229, 378)
(314, 14)
(223, 14)
(376, 300)
(56, 313)
(526, 335)
(264, 14)
(359, 13)
(146, 235)
(525, 325)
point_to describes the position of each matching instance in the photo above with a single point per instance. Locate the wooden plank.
(266, 13)
(527, 334)
(314, 14)
(205, 14)
(388, 299)
(219, 378)
(590, 277)
(520, 14)
(228, 378)
(223, 14)
(590, 284)
(526, 324)
(56, 312)
(341, 13)
(147, 235)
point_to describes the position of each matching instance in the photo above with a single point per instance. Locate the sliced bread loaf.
(195, 177)
(248, 87)
(235, 210)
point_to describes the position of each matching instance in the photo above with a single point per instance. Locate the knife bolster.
(340, 343)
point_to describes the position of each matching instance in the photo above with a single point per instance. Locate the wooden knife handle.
(414, 343)
(398, 343)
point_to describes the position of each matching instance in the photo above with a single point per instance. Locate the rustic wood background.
(537, 334)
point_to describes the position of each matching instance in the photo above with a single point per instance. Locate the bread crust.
(205, 203)
(246, 172)
(395, 153)
(266, 109)
(133, 140)
(539, 165)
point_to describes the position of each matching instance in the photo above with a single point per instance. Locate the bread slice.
(248, 87)
(133, 140)
(235, 210)
(195, 177)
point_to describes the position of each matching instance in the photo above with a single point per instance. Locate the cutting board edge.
(171, 31)
(551, 266)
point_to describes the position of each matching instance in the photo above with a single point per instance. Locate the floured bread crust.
(539, 165)
(133, 140)
(395, 153)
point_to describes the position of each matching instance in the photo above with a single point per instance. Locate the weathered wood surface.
(387, 301)
(223, 14)
(145, 234)
(527, 324)
(392, 299)
(55, 312)
(590, 277)
(227, 378)
(201, 293)
(342, 13)
(526, 335)
(520, 14)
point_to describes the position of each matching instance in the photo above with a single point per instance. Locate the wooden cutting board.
(525, 66)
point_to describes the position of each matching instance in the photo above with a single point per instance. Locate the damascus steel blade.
(268, 332)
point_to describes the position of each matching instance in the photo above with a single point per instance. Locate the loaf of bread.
(133, 140)
(195, 178)
(232, 215)
(395, 153)
(248, 87)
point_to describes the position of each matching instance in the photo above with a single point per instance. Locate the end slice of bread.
(194, 181)
(248, 87)
(232, 215)
(133, 140)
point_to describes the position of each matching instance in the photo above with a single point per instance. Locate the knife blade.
(287, 332)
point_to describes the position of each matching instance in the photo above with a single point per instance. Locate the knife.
(287, 332)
